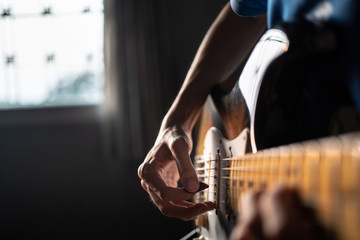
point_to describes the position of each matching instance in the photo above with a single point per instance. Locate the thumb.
(180, 146)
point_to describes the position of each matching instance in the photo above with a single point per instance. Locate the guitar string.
(267, 171)
(205, 168)
(205, 161)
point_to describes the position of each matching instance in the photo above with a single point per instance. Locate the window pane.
(51, 54)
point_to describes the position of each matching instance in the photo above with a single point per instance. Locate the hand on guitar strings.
(276, 214)
(165, 164)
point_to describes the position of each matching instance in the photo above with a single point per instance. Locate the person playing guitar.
(225, 47)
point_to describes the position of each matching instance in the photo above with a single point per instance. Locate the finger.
(183, 203)
(210, 204)
(164, 181)
(248, 205)
(248, 224)
(171, 174)
(169, 193)
(286, 217)
(182, 211)
(278, 207)
(144, 185)
(287, 197)
(179, 146)
(154, 173)
(271, 213)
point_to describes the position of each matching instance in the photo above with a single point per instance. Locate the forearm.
(225, 46)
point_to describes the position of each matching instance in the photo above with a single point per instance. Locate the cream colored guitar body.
(216, 147)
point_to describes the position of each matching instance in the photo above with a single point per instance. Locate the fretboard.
(326, 172)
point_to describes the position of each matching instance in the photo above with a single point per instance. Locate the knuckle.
(143, 185)
(140, 171)
(144, 170)
(178, 142)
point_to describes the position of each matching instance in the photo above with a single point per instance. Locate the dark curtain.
(133, 87)
(149, 45)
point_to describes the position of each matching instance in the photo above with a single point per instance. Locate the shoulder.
(249, 8)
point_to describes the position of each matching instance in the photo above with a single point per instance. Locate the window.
(51, 53)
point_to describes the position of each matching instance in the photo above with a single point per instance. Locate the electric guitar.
(285, 120)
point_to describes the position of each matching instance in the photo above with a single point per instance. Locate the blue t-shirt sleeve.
(249, 8)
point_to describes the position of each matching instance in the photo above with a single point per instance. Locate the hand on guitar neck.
(276, 214)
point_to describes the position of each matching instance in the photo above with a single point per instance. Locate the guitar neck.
(326, 172)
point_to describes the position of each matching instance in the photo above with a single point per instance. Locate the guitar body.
(217, 221)
(260, 133)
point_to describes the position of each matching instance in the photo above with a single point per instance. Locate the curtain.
(135, 88)
(149, 45)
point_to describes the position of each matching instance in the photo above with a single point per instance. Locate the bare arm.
(224, 47)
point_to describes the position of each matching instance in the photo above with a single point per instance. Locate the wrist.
(180, 119)
(186, 108)
(171, 122)
(171, 134)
